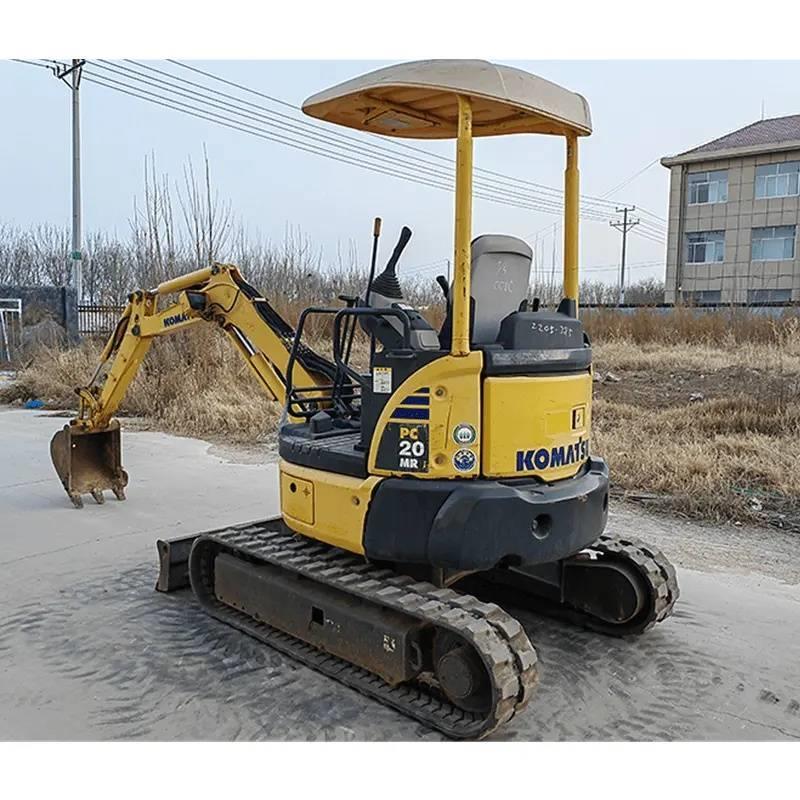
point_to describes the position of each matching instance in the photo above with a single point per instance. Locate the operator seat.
(500, 276)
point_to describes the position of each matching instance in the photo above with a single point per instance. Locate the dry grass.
(690, 326)
(193, 385)
(729, 458)
(730, 455)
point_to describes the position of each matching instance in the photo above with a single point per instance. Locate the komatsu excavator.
(453, 474)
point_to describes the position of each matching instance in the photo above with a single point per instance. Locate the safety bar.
(337, 389)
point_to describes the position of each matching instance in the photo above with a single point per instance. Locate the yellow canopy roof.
(417, 100)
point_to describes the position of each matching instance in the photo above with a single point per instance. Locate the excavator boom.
(87, 453)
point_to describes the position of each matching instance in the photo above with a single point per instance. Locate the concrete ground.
(89, 651)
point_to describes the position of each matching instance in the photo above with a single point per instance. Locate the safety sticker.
(464, 460)
(382, 380)
(464, 434)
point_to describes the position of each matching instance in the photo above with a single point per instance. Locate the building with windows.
(734, 212)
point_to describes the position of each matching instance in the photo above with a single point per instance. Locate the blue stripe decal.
(416, 401)
(423, 390)
(410, 413)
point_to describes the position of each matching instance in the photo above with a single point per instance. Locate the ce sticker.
(464, 434)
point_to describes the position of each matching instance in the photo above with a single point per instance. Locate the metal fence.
(698, 304)
(97, 320)
(10, 327)
(776, 310)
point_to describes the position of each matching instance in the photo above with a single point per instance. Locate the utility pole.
(624, 226)
(73, 72)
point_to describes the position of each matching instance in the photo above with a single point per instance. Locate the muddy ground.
(89, 651)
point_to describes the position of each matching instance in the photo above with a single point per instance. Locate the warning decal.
(382, 380)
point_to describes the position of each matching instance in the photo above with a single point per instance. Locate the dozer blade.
(89, 462)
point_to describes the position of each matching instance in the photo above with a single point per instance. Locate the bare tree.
(293, 273)
(209, 221)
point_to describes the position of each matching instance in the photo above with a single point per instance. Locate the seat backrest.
(501, 273)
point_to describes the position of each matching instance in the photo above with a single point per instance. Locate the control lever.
(386, 288)
(405, 235)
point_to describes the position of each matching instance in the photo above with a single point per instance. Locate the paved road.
(89, 651)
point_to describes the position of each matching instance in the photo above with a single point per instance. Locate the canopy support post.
(463, 230)
(571, 222)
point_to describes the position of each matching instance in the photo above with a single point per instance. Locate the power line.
(657, 228)
(543, 233)
(633, 177)
(244, 127)
(649, 227)
(635, 266)
(291, 126)
(661, 222)
(260, 133)
(642, 210)
(32, 63)
(500, 196)
(615, 267)
(304, 130)
(301, 127)
(317, 141)
(288, 125)
(404, 145)
(645, 232)
(430, 265)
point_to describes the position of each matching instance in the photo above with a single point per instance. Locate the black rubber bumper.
(476, 524)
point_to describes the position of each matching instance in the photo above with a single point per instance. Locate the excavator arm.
(87, 454)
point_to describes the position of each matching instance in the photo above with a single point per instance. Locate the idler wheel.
(461, 674)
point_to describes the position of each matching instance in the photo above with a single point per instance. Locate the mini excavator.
(452, 475)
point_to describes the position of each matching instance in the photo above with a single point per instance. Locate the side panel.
(326, 506)
(297, 498)
(416, 431)
(536, 425)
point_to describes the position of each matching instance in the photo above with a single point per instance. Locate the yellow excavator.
(454, 474)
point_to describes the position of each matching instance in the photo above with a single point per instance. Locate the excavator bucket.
(89, 462)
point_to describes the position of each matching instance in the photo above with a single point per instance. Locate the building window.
(706, 247)
(756, 296)
(704, 297)
(708, 187)
(773, 244)
(778, 180)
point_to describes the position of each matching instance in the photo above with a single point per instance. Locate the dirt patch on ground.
(681, 387)
(705, 432)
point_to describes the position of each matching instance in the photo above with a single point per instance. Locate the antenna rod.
(376, 234)
(350, 333)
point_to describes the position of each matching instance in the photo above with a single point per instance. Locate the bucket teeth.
(89, 462)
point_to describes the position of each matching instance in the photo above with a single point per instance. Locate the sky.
(641, 111)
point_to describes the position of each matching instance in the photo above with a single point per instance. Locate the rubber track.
(657, 571)
(498, 638)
